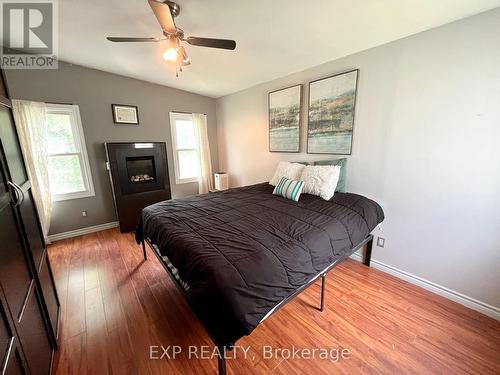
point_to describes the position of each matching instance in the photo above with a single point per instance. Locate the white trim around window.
(81, 151)
(177, 116)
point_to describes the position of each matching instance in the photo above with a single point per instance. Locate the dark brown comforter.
(244, 250)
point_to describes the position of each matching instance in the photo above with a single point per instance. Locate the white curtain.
(31, 123)
(205, 180)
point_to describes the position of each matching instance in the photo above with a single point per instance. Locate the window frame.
(79, 138)
(182, 116)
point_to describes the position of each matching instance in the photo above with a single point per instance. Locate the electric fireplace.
(141, 168)
(139, 177)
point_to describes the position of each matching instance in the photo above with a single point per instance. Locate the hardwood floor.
(115, 306)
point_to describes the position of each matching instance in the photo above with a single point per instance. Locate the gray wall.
(426, 147)
(94, 91)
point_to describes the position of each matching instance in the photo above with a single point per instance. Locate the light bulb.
(170, 54)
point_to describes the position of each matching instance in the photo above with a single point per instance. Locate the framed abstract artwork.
(332, 103)
(285, 107)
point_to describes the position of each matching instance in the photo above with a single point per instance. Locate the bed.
(241, 254)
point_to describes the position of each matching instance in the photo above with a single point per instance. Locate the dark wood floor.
(114, 306)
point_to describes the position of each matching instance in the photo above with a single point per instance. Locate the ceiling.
(274, 38)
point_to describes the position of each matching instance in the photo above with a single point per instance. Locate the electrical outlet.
(380, 241)
(84, 213)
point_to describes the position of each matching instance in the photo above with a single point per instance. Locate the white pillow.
(288, 170)
(320, 180)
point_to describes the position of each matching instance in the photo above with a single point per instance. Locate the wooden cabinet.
(32, 332)
(10, 351)
(29, 306)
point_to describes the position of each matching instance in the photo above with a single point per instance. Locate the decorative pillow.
(320, 180)
(341, 185)
(289, 189)
(286, 169)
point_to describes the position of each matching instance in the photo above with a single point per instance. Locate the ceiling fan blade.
(126, 39)
(212, 43)
(163, 15)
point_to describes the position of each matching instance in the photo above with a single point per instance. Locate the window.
(69, 171)
(186, 148)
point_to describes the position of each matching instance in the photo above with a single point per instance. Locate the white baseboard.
(80, 232)
(470, 302)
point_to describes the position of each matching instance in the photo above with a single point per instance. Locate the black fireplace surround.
(139, 177)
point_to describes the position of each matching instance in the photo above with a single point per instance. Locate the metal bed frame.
(368, 242)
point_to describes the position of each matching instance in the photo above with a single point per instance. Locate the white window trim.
(180, 116)
(76, 123)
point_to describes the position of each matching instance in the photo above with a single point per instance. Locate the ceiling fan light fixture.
(170, 54)
(175, 53)
(185, 58)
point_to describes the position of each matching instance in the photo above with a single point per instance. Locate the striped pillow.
(290, 189)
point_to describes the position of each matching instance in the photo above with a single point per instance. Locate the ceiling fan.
(165, 11)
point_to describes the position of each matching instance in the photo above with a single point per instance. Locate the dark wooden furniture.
(139, 177)
(29, 306)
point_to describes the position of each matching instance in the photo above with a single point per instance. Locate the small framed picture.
(125, 114)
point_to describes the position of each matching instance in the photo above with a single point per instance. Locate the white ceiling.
(274, 37)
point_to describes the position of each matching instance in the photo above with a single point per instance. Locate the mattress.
(243, 251)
